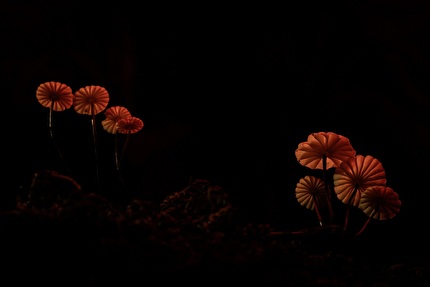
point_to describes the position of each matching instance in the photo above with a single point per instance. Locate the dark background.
(226, 93)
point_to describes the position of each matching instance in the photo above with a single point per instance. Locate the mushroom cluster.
(89, 100)
(358, 181)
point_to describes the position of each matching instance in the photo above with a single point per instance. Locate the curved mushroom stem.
(116, 152)
(318, 213)
(348, 208)
(93, 124)
(118, 159)
(327, 189)
(127, 139)
(345, 225)
(364, 226)
(57, 147)
(366, 223)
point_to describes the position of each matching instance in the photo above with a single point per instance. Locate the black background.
(226, 93)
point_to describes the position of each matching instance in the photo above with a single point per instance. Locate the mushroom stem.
(127, 139)
(318, 212)
(327, 189)
(366, 223)
(118, 159)
(57, 147)
(116, 152)
(364, 226)
(345, 225)
(93, 124)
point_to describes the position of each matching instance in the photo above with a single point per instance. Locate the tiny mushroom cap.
(90, 100)
(328, 146)
(355, 175)
(113, 115)
(129, 125)
(55, 95)
(380, 202)
(310, 191)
